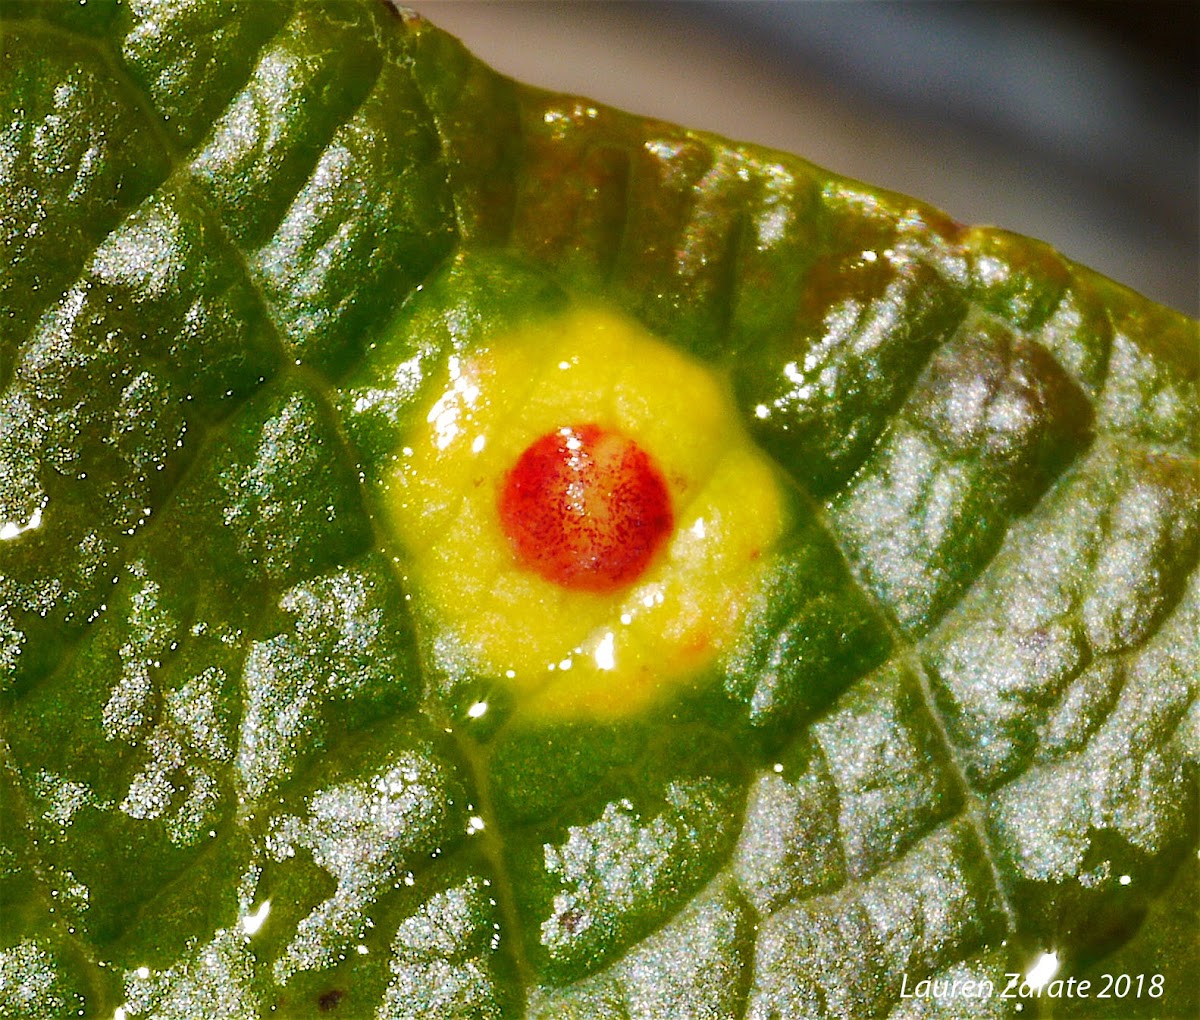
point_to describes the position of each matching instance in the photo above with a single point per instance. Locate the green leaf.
(243, 771)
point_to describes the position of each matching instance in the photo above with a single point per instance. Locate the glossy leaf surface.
(239, 779)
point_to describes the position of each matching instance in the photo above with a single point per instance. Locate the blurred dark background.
(1077, 122)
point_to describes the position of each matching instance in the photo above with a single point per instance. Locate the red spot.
(586, 508)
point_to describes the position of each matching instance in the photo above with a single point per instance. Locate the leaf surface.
(240, 778)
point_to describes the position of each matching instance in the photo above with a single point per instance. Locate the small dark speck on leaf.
(329, 1000)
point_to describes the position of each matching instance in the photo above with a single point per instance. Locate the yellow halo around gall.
(568, 652)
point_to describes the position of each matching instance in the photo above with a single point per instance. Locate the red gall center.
(586, 508)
